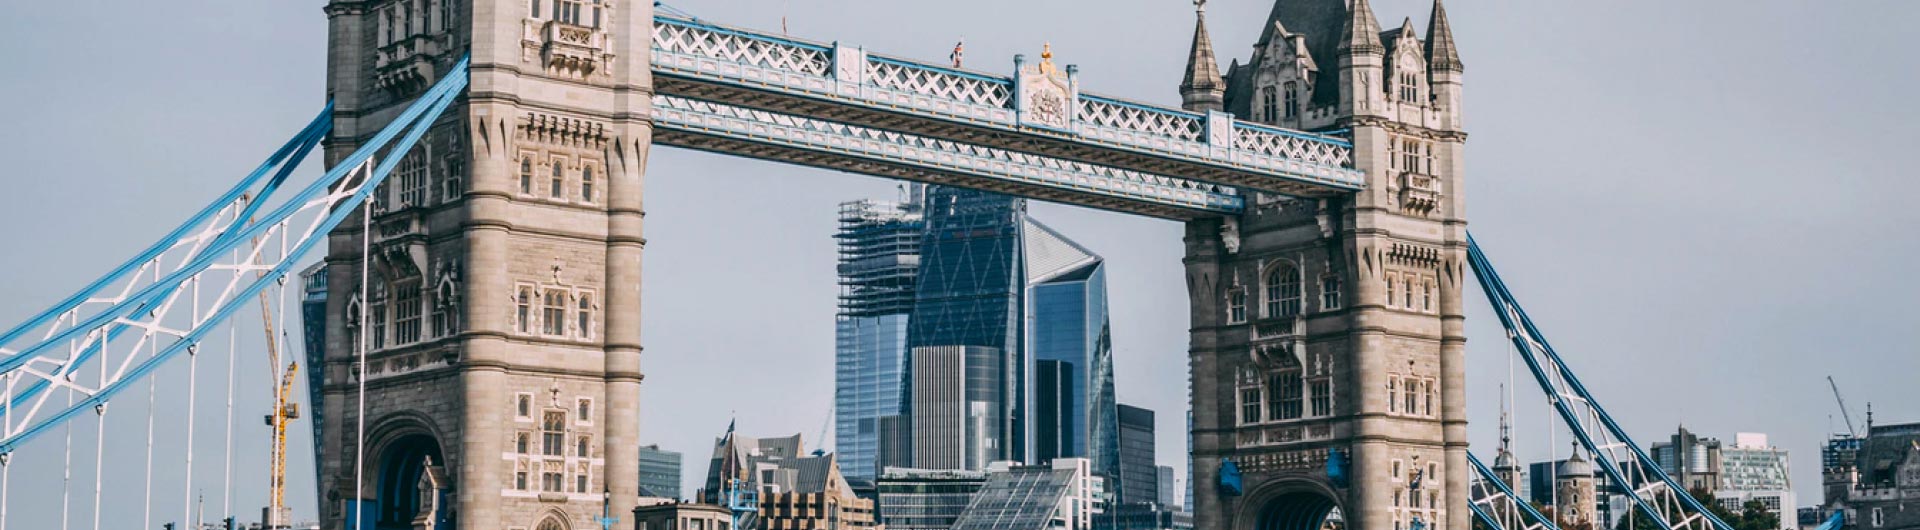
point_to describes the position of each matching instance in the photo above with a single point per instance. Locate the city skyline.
(1685, 278)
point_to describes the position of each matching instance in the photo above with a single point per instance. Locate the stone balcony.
(406, 66)
(573, 50)
(1419, 192)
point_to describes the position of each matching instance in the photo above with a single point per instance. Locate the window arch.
(1269, 105)
(1293, 100)
(1283, 291)
(552, 522)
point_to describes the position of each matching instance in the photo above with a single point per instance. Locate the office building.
(1164, 487)
(954, 406)
(659, 472)
(681, 516)
(967, 308)
(1690, 459)
(1150, 516)
(1754, 471)
(1069, 343)
(1065, 495)
(925, 499)
(879, 254)
(794, 492)
(1138, 477)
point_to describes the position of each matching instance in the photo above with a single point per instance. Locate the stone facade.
(501, 322)
(1332, 329)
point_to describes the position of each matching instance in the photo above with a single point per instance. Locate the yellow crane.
(284, 411)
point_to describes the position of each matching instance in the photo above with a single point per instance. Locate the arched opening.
(1300, 510)
(398, 495)
(552, 522)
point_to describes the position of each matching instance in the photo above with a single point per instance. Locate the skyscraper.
(659, 472)
(968, 300)
(879, 245)
(1138, 479)
(1068, 342)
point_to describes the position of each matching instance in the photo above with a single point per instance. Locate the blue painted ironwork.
(700, 60)
(233, 248)
(1652, 491)
(830, 144)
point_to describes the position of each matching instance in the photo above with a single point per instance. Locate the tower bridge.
(481, 357)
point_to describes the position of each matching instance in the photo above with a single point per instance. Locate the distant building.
(954, 413)
(1164, 490)
(659, 472)
(1070, 346)
(1139, 478)
(1595, 499)
(1879, 486)
(1151, 516)
(1062, 496)
(925, 499)
(966, 314)
(313, 334)
(1752, 470)
(879, 247)
(1693, 461)
(793, 492)
(681, 516)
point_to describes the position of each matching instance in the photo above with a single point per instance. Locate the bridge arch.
(401, 449)
(1290, 504)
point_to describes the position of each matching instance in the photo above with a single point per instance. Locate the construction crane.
(276, 515)
(1851, 433)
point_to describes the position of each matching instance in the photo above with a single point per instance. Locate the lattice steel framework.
(1494, 503)
(167, 298)
(697, 60)
(1655, 494)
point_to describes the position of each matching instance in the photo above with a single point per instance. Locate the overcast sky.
(1703, 203)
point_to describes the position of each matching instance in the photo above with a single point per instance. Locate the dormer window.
(1269, 105)
(1293, 100)
(1409, 87)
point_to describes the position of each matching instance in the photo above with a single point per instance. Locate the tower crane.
(1843, 408)
(276, 515)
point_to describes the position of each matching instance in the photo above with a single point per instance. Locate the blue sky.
(1705, 204)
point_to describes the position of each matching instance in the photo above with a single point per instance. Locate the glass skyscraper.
(879, 245)
(969, 296)
(1074, 412)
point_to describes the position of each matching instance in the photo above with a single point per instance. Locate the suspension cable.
(99, 448)
(226, 497)
(66, 467)
(193, 386)
(360, 367)
(6, 470)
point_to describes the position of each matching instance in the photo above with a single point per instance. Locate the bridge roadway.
(741, 92)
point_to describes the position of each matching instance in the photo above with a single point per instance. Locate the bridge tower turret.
(501, 292)
(1327, 346)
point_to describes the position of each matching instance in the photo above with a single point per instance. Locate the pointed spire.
(1442, 56)
(1361, 34)
(1202, 88)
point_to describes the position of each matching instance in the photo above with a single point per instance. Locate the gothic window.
(1293, 100)
(551, 480)
(1410, 156)
(1320, 394)
(586, 182)
(596, 13)
(1879, 518)
(1283, 291)
(553, 433)
(1236, 305)
(1406, 286)
(526, 172)
(580, 483)
(413, 179)
(1426, 294)
(520, 480)
(1396, 477)
(442, 321)
(1250, 405)
(1329, 293)
(406, 314)
(585, 317)
(378, 314)
(553, 312)
(580, 446)
(1269, 105)
(554, 190)
(388, 18)
(1393, 394)
(1412, 396)
(523, 309)
(455, 169)
(1283, 395)
(446, 14)
(523, 406)
(522, 442)
(567, 11)
(534, 9)
(583, 410)
(1409, 87)
(1393, 281)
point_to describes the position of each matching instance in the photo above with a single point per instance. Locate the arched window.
(1237, 305)
(553, 433)
(585, 316)
(551, 523)
(526, 173)
(1283, 291)
(1409, 87)
(554, 189)
(1269, 105)
(1293, 100)
(586, 183)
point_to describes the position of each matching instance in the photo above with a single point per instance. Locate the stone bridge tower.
(1327, 349)
(502, 299)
